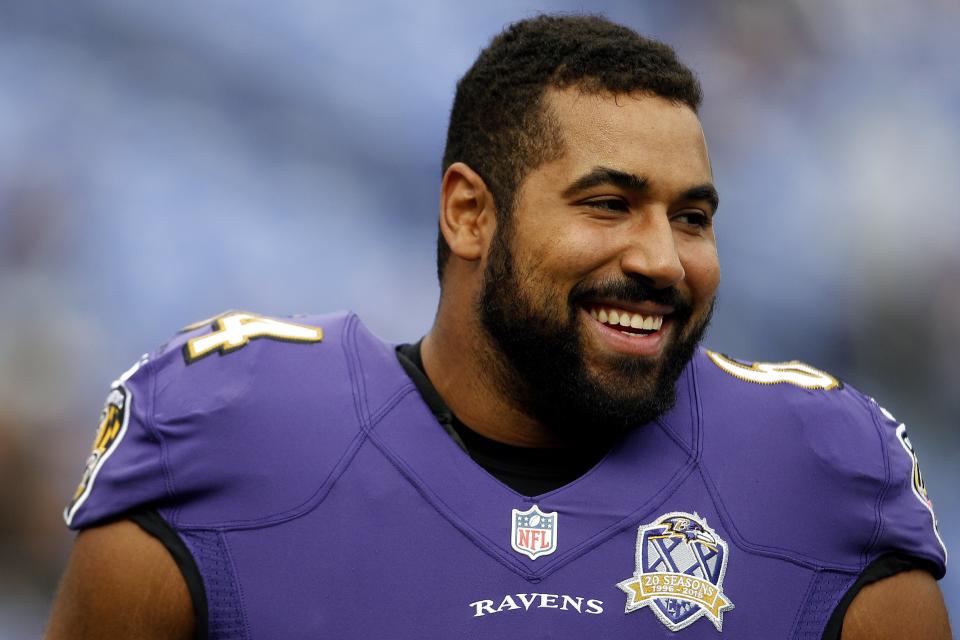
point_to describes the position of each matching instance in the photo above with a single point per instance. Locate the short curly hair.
(498, 124)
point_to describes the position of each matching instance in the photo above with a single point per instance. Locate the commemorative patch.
(533, 532)
(114, 418)
(679, 572)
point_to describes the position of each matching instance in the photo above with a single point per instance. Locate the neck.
(471, 377)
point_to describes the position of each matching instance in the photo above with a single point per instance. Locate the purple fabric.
(342, 509)
(810, 474)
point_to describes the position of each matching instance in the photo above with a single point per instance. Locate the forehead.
(636, 133)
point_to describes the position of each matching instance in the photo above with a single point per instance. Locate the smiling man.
(585, 299)
(556, 458)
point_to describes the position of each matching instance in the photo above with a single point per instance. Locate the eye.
(609, 204)
(694, 218)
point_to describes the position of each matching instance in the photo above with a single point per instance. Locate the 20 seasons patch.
(680, 567)
(113, 426)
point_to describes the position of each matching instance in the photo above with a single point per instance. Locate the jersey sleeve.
(237, 421)
(117, 479)
(813, 468)
(908, 523)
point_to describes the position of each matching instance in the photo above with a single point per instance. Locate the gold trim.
(234, 337)
(776, 372)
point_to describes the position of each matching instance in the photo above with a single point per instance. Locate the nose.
(651, 252)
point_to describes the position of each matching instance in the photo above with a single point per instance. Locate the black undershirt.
(530, 471)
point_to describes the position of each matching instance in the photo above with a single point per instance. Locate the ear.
(467, 218)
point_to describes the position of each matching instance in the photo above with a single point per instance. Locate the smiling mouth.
(625, 321)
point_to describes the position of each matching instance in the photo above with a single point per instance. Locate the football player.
(556, 458)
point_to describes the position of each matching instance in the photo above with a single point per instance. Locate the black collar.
(527, 470)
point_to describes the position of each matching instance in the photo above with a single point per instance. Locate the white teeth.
(619, 317)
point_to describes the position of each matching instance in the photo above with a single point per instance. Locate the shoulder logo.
(919, 486)
(679, 572)
(533, 532)
(112, 427)
(916, 479)
(235, 329)
(794, 372)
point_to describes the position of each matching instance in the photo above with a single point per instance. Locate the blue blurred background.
(162, 162)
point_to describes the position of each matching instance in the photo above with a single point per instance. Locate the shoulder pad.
(805, 466)
(240, 419)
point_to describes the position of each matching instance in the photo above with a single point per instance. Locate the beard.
(542, 367)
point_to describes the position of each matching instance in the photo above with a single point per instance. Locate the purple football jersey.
(320, 498)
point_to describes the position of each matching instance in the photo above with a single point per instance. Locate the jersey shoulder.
(236, 420)
(808, 466)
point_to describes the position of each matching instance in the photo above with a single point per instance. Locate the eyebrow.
(638, 184)
(706, 192)
(606, 175)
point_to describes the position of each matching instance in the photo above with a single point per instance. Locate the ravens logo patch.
(112, 427)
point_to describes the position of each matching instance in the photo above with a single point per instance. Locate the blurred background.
(162, 162)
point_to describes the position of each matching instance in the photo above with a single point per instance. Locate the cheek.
(571, 253)
(702, 268)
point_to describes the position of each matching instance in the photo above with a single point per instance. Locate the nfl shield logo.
(679, 573)
(534, 533)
